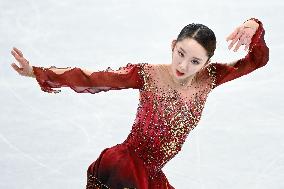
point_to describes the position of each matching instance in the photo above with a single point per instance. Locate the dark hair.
(202, 34)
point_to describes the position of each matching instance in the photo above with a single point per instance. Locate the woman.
(172, 97)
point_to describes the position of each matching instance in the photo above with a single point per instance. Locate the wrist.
(31, 72)
(251, 24)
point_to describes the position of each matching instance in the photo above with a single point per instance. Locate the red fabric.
(165, 114)
(257, 57)
(76, 79)
(119, 167)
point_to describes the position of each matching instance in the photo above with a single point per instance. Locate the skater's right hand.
(26, 69)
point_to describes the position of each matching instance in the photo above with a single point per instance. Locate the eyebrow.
(185, 53)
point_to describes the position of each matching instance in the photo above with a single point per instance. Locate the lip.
(179, 73)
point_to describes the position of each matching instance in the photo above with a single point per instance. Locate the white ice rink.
(47, 141)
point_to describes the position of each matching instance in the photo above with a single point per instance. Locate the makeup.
(179, 73)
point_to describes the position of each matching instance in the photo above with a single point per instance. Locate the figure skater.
(172, 97)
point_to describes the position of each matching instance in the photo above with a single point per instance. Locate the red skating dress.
(165, 115)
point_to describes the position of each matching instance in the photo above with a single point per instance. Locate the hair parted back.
(202, 34)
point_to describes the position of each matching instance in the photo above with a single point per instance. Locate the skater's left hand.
(243, 34)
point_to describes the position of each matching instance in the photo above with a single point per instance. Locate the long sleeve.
(125, 77)
(257, 57)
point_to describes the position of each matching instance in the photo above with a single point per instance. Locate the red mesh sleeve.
(257, 57)
(125, 77)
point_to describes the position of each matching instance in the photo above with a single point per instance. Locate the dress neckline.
(167, 78)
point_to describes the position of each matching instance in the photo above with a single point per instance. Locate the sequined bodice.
(166, 115)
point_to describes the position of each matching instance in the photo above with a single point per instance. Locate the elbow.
(261, 56)
(265, 56)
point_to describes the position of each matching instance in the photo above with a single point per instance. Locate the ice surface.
(48, 140)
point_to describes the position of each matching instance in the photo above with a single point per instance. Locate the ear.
(174, 42)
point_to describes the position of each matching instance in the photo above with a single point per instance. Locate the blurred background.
(49, 140)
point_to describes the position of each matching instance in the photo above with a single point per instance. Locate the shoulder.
(150, 67)
(207, 72)
(150, 71)
(157, 67)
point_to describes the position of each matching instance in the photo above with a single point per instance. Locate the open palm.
(243, 35)
(26, 68)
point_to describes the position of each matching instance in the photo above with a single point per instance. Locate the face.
(188, 57)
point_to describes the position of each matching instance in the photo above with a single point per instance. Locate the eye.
(180, 53)
(195, 62)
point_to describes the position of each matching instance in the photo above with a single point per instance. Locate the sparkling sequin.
(94, 183)
(166, 112)
(165, 115)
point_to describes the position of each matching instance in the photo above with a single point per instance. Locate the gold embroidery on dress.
(168, 113)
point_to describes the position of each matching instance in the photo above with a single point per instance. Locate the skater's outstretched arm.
(78, 79)
(251, 33)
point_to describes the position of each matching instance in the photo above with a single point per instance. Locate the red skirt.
(118, 167)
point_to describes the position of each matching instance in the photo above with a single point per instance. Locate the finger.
(16, 67)
(246, 47)
(18, 51)
(13, 52)
(249, 41)
(17, 57)
(233, 34)
(20, 59)
(235, 39)
(238, 45)
(242, 41)
(248, 44)
(233, 43)
(243, 38)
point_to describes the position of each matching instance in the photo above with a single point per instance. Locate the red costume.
(165, 115)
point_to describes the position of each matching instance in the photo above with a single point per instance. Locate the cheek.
(192, 69)
(176, 57)
(175, 64)
(197, 68)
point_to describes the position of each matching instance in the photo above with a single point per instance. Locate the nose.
(182, 66)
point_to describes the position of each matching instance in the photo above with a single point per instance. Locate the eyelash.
(182, 56)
